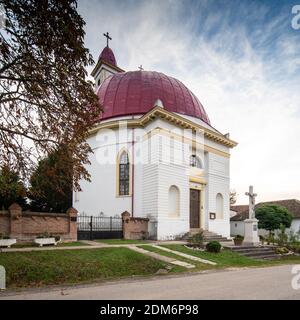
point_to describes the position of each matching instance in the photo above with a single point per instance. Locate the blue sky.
(242, 60)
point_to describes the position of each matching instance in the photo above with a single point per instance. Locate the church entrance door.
(194, 208)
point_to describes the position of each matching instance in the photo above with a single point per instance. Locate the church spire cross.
(107, 37)
(141, 68)
(251, 202)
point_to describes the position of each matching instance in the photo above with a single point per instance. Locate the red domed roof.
(108, 56)
(136, 92)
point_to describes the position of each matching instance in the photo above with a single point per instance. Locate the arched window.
(195, 162)
(124, 178)
(219, 206)
(174, 202)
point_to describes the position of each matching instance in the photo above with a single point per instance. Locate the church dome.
(136, 92)
(107, 55)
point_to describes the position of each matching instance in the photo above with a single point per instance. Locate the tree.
(11, 189)
(51, 183)
(232, 197)
(45, 100)
(271, 217)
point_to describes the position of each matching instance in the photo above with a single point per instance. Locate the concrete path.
(184, 255)
(162, 258)
(252, 283)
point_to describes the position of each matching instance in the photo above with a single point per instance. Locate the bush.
(282, 236)
(213, 246)
(262, 239)
(197, 239)
(239, 237)
(294, 247)
(282, 250)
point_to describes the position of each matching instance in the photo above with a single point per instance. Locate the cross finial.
(141, 68)
(107, 37)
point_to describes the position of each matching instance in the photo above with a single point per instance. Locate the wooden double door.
(195, 208)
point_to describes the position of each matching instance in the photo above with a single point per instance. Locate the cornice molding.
(158, 112)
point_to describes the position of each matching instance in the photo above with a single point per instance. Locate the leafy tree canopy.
(45, 100)
(271, 217)
(51, 183)
(11, 189)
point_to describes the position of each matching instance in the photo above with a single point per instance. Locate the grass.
(62, 244)
(72, 244)
(228, 258)
(122, 241)
(38, 268)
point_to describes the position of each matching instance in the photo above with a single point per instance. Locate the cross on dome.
(141, 68)
(107, 37)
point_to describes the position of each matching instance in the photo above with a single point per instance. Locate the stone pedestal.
(251, 232)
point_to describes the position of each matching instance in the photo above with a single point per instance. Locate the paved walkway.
(251, 283)
(184, 255)
(161, 257)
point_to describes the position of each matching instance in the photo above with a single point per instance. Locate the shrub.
(282, 250)
(262, 239)
(282, 236)
(197, 239)
(294, 247)
(213, 246)
(239, 237)
(3, 237)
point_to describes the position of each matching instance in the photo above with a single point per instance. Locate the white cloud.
(247, 82)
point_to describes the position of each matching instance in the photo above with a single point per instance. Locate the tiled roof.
(293, 205)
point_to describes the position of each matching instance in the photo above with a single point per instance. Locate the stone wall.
(134, 228)
(26, 225)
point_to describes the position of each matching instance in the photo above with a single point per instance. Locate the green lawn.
(38, 268)
(228, 258)
(122, 241)
(62, 244)
(72, 244)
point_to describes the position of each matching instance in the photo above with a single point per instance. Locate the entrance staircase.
(256, 252)
(208, 236)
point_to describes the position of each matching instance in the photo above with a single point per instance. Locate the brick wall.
(25, 225)
(134, 228)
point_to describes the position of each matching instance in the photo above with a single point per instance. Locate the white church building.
(155, 155)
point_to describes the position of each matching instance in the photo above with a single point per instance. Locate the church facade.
(155, 155)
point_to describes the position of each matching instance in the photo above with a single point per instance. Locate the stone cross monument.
(251, 202)
(251, 228)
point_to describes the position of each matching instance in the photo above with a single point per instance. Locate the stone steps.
(256, 252)
(208, 236)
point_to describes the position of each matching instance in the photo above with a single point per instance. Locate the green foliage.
(294, 237)
(271, 238)
(282, 236)
(46, 98)
(213, 246)
(2, 236)
(197, 239)
(282, 250)
(262, 239)
(294, 247)
(239, 237)
(272, 216)
(51, 183)
(11, 189)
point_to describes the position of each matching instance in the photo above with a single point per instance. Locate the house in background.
(241, 212)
